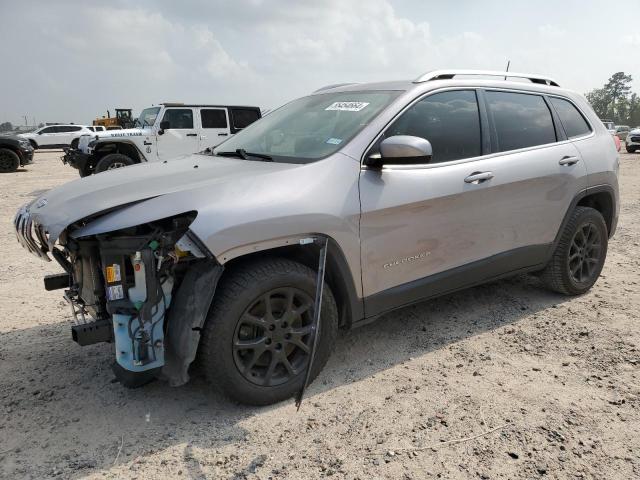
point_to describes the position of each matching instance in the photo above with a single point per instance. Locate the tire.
(33, 144)
(74, 143)
(631, 149)
(244, 292)
(112, 161)
(9, 160)
(576, 265)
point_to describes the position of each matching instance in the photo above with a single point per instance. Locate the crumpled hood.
(73, 201)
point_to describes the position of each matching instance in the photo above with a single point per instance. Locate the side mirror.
(402, 150)
(164, 125)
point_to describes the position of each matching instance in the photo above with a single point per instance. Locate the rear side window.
(572, 120)
(449, 120)
(521, 120)
(213, 118)
(243, 117)
(179, 118)
(48, 130)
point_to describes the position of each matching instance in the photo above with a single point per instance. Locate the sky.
(66, 61)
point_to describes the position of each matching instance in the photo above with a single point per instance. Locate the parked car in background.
(223, 254)
(56, 136)
(15, 152)
(162, 132)
(610, 126)
(632, 143)
(97, 128)
(622, 131)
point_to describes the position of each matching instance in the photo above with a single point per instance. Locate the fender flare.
(116, 140)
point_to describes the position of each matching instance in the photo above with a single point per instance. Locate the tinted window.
(213, 118)
(572, 120)
(520, 120)
(449, 120)
(243, 117)
(179, 118)
(65, 129)
(93, 129)
(48, 130)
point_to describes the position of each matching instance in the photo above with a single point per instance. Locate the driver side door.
(419, 220)
(181, 136)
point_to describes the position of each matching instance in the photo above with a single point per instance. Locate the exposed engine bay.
(120, 287)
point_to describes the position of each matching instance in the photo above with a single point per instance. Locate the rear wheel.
(113, 161)
(9, 160)
(631, 149)
(257, 339)
(74, 143)
(580, 254)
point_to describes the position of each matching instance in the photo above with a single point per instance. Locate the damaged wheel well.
(337, 275)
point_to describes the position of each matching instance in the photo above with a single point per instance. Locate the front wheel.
(9, 160)
(257, 338)
(631, 149)
(113, 161)
(580, 254)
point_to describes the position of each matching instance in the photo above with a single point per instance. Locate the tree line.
(615, 101)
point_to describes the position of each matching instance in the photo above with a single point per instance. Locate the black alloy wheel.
(584, 253)
(272, 340)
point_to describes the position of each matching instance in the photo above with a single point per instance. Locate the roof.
(446, 78)
(176, 104)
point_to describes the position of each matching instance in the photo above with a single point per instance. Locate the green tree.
(600, 102)
(618, 87)
(6, 127)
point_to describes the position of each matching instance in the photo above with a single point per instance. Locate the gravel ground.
(505, 380)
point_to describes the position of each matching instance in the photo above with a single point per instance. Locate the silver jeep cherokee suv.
(386, 194)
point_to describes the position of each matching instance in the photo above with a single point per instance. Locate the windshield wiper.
(243, 154)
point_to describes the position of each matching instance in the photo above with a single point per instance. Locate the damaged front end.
(146, 289)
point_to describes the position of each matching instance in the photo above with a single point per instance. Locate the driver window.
(449, 120)
(179, 118)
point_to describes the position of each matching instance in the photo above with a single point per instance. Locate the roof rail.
(449, 74)
(334, 85)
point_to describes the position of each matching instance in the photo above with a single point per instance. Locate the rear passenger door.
(215, 127)
(537, 172)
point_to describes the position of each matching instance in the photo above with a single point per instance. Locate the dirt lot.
(502, 381)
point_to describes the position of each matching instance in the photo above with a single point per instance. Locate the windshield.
(148, 117)
(311, 127)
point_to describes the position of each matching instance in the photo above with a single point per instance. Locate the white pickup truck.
(161, 132)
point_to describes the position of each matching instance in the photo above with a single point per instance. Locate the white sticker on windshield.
(347, 106)
(334, 141)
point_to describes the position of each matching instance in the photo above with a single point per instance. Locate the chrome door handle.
(568, 160)
(478, 177)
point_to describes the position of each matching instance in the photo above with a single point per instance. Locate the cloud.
(79, 58)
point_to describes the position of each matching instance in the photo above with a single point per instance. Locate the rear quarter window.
(572, 120)
(243, 117)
